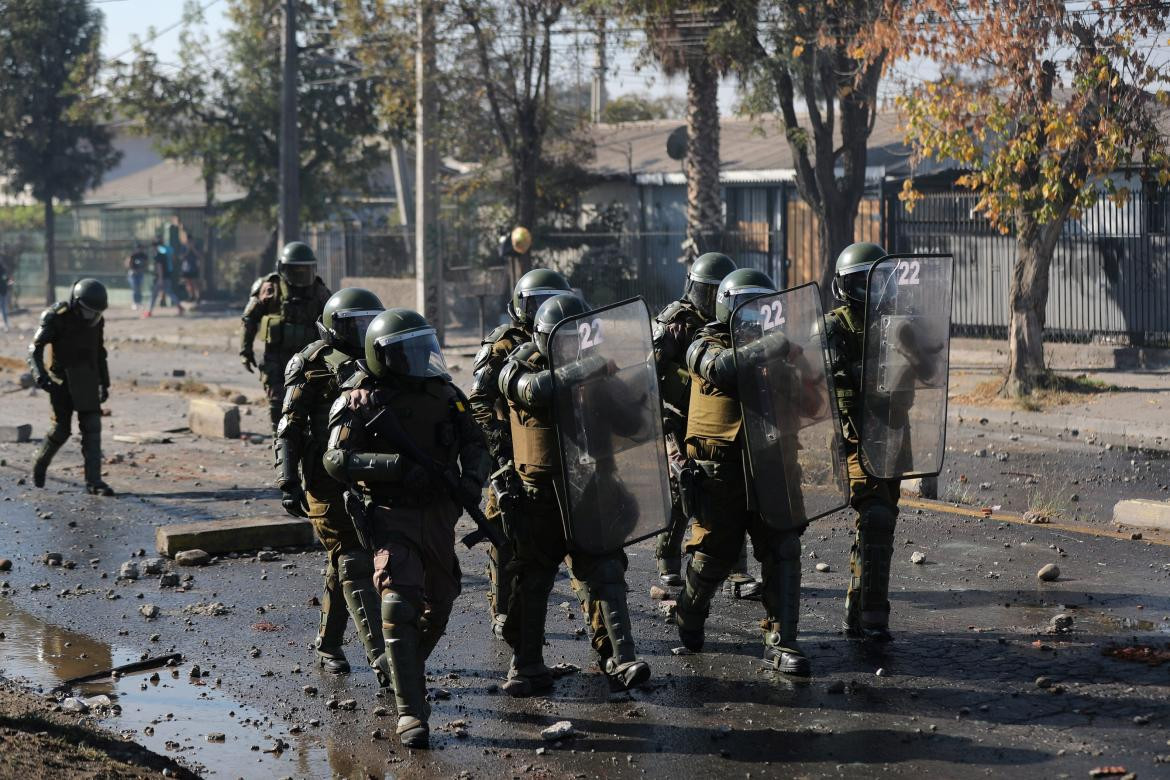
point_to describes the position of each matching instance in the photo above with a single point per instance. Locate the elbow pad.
(287, 457)
(363, 466)
(716, 366)
(534, 389)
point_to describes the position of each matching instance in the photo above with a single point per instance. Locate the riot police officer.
(283, 308)
(867, 605)
(313, 380)
(77, 379)
(675, 328)
(411, 516)
(491, 411)
(714, 442)
(538, 533)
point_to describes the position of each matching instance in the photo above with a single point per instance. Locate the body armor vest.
(292, 326)
(534, 440)
(713, 415)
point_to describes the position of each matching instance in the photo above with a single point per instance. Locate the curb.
(1142, 513)
(1067, 427)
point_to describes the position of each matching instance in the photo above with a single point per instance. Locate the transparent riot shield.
(791, 429)
(615, 487)
(904, 380)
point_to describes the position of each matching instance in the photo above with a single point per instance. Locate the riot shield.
(791, 429)
(904, 380)
(614, 488)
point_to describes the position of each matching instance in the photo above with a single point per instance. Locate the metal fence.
(1110, 275)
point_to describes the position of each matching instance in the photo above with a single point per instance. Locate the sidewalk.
(1136, 415)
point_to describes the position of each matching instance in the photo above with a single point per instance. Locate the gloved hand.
(359, 397)
(45, 383)
(294, 502)
(104, 395)
(249, 361)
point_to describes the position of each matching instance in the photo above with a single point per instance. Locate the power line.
(159, 33)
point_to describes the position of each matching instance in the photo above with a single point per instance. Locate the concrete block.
(213, 419)
(143, 437)
(17, 434)
(1143, 513)
(233, 535)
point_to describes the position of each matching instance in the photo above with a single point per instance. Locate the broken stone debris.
(562, 729)
(1048, 573)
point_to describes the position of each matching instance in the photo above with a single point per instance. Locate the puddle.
(171, 716)
(1090, 621)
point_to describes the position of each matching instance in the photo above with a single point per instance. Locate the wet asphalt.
(956, 695)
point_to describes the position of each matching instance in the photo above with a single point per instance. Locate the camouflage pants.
(499, 590)
(272, 379)
(876, 503)
(414, 553)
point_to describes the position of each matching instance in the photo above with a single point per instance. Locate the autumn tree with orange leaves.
(1049, 106)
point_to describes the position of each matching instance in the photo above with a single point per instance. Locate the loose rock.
(918, 557)
(168, 580)
(1048, 573)
(153, 566)
(559, 730)
(657, 593)
(823, 567)
(5, 564)
(1060, 624)
(52, 559)
(193, 558)
(149, 611)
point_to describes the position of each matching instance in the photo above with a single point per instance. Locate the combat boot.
(44, 457)
(331, 633)
(704, 574)
(622, 668)
(781, 596)
(524, 630)
(356, 572)
(400, 624)
(867, 603)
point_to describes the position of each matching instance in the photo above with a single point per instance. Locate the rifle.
(386, 424)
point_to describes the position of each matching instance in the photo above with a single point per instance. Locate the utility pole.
(428, 263)
(288, 227)
(597, 94)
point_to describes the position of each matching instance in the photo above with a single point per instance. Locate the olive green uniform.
(313, 380)
(80, 380)
(875, 500)
(539, 544)
(675, 328)
(285, 318)
(412, 519)
(725, 512)
(491, 412)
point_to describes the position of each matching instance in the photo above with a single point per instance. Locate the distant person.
(189, 272)
(4, 285)
(136, 272)
(163, 285)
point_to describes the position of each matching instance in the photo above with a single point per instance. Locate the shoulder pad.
(313, 351)
(338, 409)
(294, 368)
(669, 312)
(496, 334)
(56, 310)
(256, 287)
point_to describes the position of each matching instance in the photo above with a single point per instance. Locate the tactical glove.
(249, 361)
(104, 395)
(294, 503)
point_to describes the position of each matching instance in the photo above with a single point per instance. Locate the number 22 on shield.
(589, 333)
(907, 271)
(773, 314)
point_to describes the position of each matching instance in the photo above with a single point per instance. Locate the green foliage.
(17, 218)
(221, 108)
(52, 143)
(639, 108)
(1055, 109)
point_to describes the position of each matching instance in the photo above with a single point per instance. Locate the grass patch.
(957, 492)
(1052, 391)
(1048, 502)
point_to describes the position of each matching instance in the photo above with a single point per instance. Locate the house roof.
(164, 184)
(750, 150)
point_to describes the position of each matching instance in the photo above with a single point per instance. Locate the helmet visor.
(530, 301)
(702, 295)
(854, 284)
(415, 354)
(299, 274)
(350, 326)
(89, 315)
(737, 295)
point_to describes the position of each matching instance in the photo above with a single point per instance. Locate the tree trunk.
(704, 204)
(208, 266)
(835, 231)
(50, 260)
(526, 175)
(1028, 299)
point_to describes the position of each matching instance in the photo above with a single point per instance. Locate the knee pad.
(877, 517)
(607, 573)
(711, 569)
(397, 610)
(355, 567)
(437, 616)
